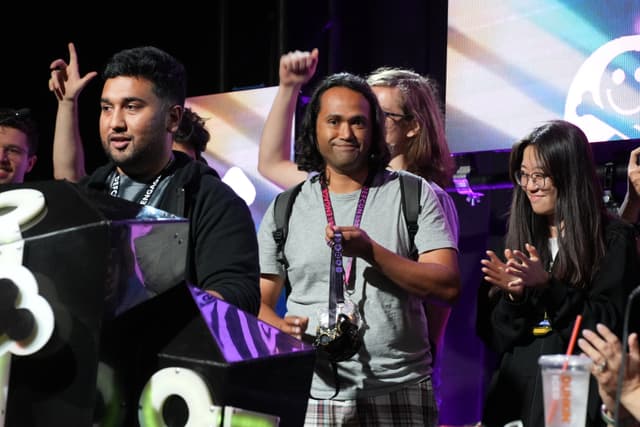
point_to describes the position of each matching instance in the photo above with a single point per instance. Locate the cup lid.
(573, 360)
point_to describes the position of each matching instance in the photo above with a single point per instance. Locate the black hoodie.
(223, 249)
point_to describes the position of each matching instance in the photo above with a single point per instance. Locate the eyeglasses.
(394, 116)
(12, 151)
(538, 179)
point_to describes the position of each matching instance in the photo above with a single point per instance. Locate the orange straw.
(572, 343)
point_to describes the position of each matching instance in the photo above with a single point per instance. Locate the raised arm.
(630, 208)
(66, 84)
(274, 158)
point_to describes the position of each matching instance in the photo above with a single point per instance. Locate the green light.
(250, 420)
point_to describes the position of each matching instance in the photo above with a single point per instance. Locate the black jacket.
(515, 391)
(223, 249)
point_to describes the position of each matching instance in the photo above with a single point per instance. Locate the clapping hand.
(517, 272)
(496, 272)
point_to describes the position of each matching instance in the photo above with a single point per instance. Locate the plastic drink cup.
(565, 385)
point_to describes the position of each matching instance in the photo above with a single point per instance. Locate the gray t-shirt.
(135, 191)
(449, 207)
(395, 349)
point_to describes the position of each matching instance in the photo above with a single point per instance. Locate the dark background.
(225, 45)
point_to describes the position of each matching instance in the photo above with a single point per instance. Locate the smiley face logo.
(620, 88)
(604, 96)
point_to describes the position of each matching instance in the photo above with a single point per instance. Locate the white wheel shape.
(34, 302)
(185, 383)
(27, 203)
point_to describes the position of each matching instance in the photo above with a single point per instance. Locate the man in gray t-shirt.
(387, 381)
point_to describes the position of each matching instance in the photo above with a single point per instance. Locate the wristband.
(607, 417)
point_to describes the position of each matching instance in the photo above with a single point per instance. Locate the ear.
(414, 128)
(174, 117)
(31, 162)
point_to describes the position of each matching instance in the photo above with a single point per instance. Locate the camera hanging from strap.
(338, 332)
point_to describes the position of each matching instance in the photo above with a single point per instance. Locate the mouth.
(345, 146)
(535, 197)
(119, 142)
(621, 111)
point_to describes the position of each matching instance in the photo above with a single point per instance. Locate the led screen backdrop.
(235, 121)
(512, 64)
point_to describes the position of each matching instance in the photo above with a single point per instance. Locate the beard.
(139, 159)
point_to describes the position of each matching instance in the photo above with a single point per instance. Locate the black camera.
(340, 342)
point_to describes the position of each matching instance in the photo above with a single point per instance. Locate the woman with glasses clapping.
(565, 255)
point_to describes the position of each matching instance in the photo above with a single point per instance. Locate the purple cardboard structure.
(248, 363)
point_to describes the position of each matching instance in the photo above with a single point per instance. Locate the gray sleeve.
(434, 229)
(267, 245)
(449, 208)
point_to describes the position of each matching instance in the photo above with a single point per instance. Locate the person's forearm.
(631, 402)
(268, 314)
(630, 208)
(437, 318)
(68, 153)
(426, 279)
(274, 155)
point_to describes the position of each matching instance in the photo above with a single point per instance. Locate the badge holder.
(543, 327)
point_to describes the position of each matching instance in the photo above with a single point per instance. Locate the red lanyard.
(338, 275)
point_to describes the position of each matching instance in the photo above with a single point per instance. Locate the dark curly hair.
(165, 72)
(192, 131)
(308, 156)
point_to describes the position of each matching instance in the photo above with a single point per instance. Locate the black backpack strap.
(281, 212)
(410, 192)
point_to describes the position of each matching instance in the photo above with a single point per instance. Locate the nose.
(345, 131)
(116, 121)
(531, 186)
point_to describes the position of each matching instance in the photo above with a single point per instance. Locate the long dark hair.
(566, 157)
(307, 155)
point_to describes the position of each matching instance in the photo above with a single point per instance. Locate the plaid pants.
(413, 405)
